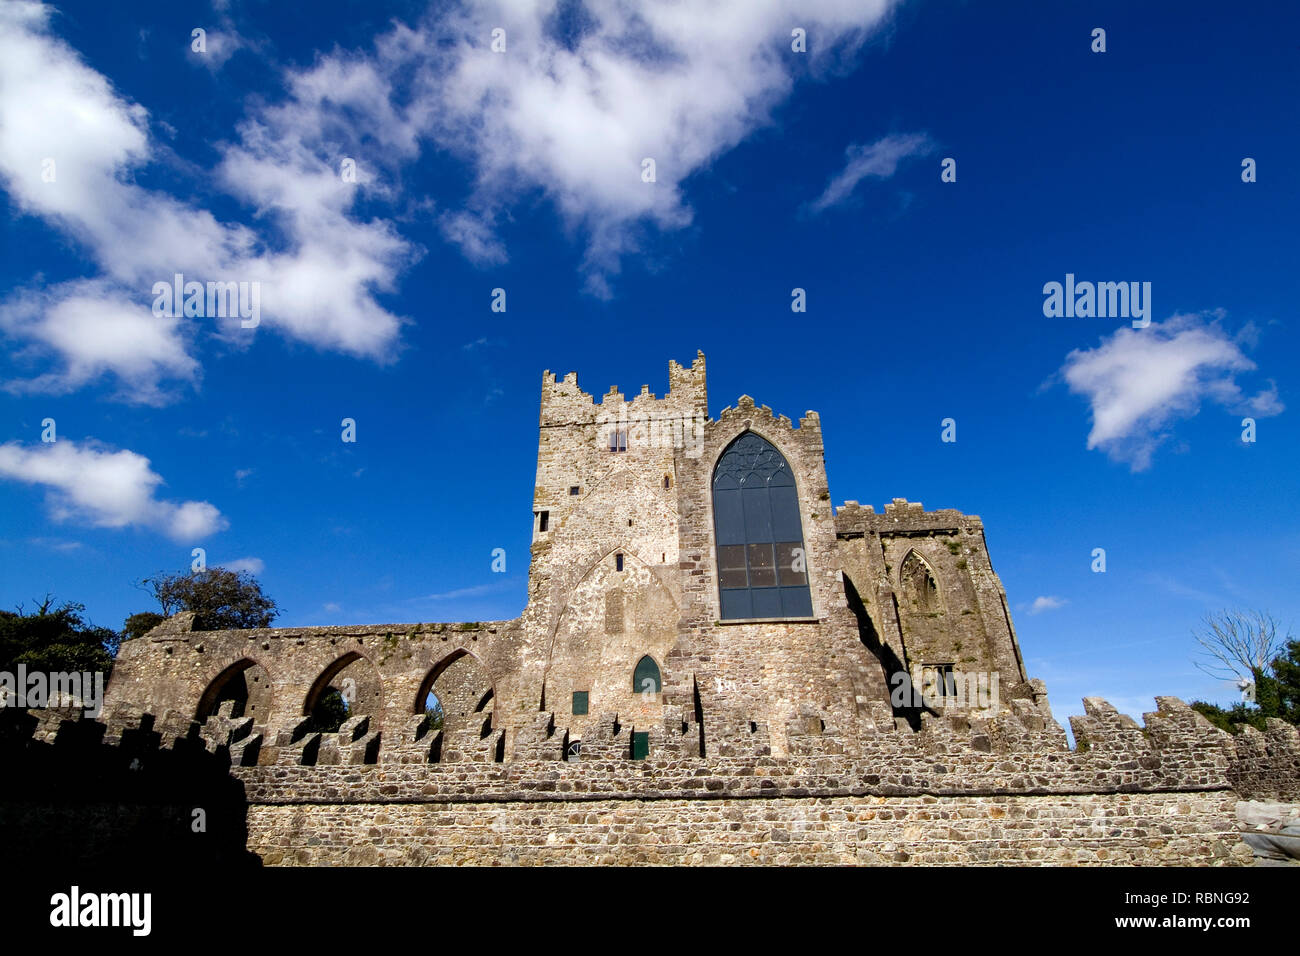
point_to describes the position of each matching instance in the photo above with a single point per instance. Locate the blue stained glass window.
(762, 568)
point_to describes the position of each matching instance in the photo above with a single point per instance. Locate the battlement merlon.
(745, 411)
(565, 403)
(903, 517)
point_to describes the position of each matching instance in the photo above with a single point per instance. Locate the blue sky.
(775, 170)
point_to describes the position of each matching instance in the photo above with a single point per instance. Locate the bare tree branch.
(1237, 645)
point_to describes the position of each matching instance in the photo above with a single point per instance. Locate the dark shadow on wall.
(81, 801)
(895, 670)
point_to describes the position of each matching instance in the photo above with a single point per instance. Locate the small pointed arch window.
(646, 678)
(920, 586)
(762, 565)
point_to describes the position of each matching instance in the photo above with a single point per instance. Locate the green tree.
(220, 599)
(330, 711)
(55, 638)
(138, 625)
(1286, 671)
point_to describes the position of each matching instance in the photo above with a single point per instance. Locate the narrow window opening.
(618, 561)
(543, 520)
(618, 440)
(668, 481)
(945, 680)
(575, 489)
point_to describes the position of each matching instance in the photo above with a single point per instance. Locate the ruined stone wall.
(1266, 766)
(962, 622)
(1087, 830)
(623, 567)
(966, 789)
(1177, 750)
(169, 672)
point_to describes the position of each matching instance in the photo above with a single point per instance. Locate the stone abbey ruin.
(713, 666)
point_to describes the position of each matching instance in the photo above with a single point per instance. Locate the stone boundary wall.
(1112, 829)
(1025, 753)
(1266, 766)
(1178, 750)
(964, 790)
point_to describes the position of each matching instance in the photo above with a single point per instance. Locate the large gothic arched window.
(762, 569)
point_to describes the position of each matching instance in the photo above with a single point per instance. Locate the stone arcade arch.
(462, 688)
(355, 679)
(245, 682)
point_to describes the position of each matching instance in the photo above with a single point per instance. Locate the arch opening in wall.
(646, 678)
(457, 689)
(349, 687)
(433, 710)
(245, 683)
(762, 563)
(919, 583)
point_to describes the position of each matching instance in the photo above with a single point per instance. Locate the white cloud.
(54, 107)
(219, 46)
(476, 590)
(251, 565)
(106, 489)
(57, 544)
(1047, 603)
(475, 237)
(96, 331)
(573, 117)
(1138, 382)
(879, 160)
(318, 285)
(568, 117)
